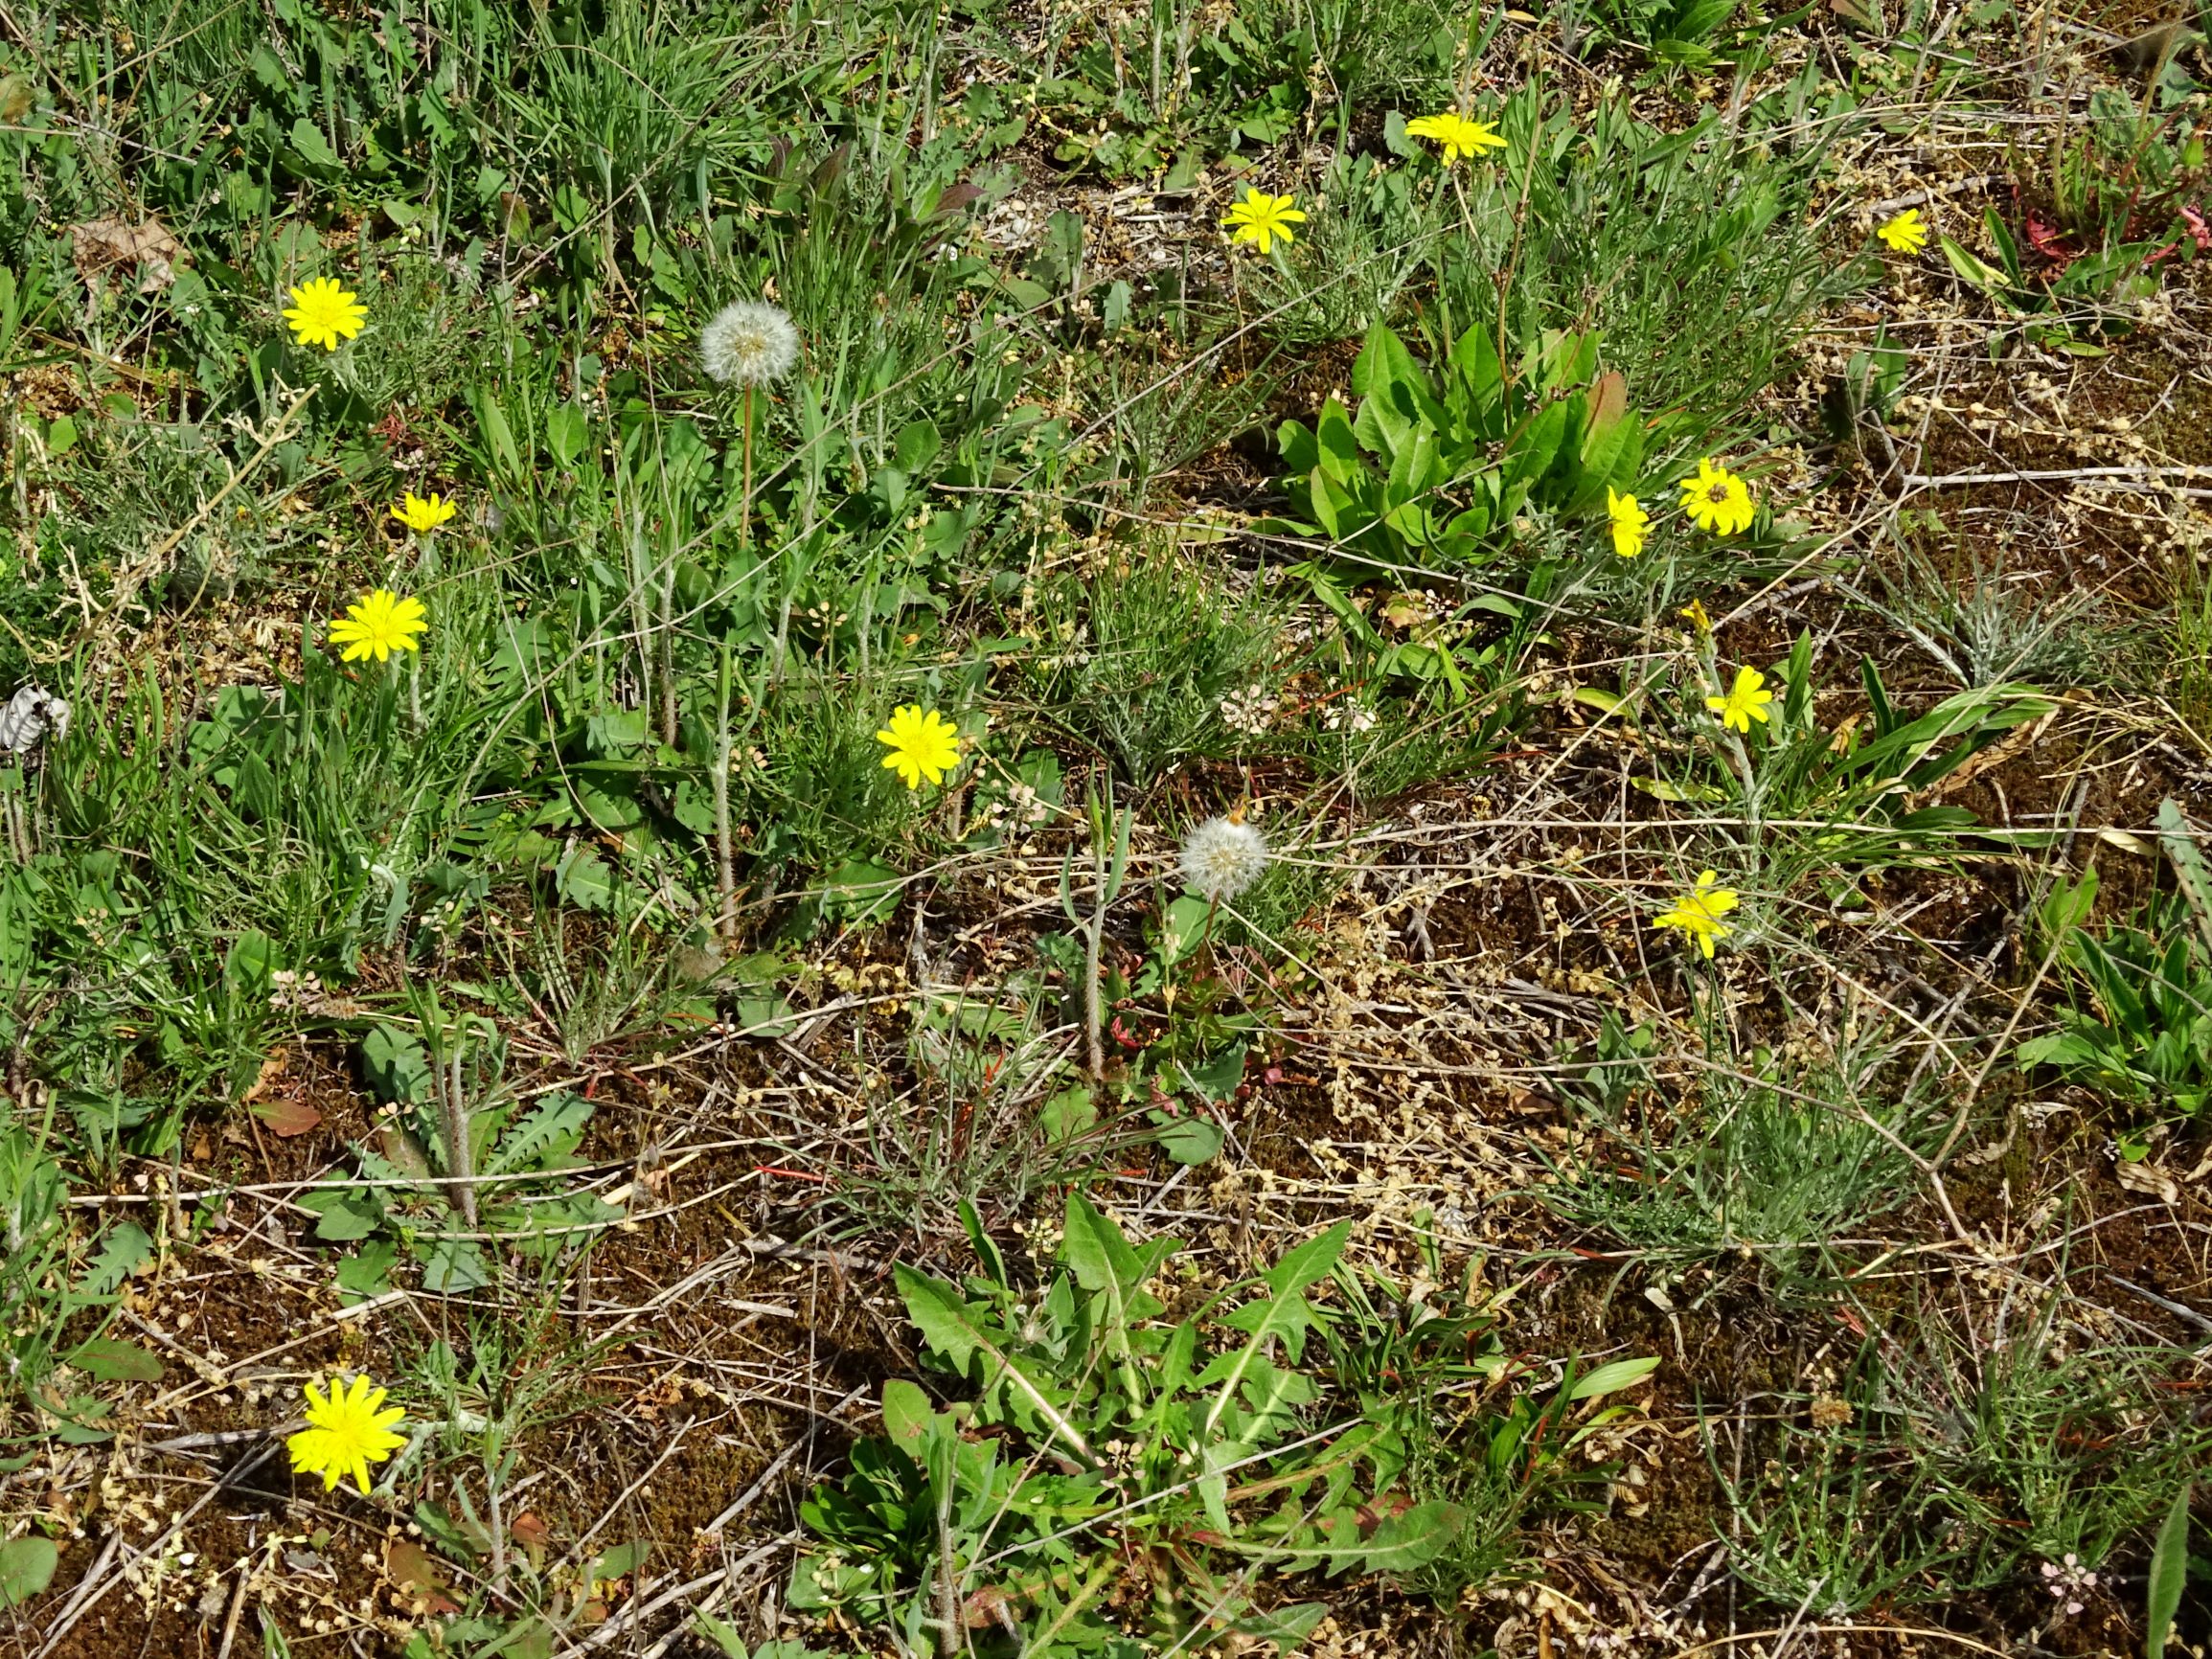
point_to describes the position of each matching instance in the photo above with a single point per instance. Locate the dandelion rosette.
(380, 623)
(923, 743)
(347, 1431)
(1717, 500)
(1222, 857)
(322, 313)
(749, 343)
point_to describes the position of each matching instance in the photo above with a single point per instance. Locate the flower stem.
(725, 858)
(746, 498)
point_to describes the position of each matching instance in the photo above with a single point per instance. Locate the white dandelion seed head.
(1222, 857)
(749, 343)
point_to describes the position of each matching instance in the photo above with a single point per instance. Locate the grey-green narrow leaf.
(2169, 1567)
(1612, 1378)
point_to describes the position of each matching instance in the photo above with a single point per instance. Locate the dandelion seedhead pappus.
(749, 343)
(1222, 857)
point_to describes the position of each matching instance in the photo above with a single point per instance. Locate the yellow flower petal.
(1457, 134)
(923, 744)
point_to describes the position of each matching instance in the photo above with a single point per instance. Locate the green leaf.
(950, 1326)
(26, 1568)
(454, 1267)
(1612, 1378)
(1285, 1628)
(1071, 1112)
(396, 1064)
(345, 1215)
(2179, 839)
(543, 1138)
(621, 1561)
(1183, 928)
(116, 1361)
(1218, 1080)
(860, 892)
(125, 1247)
(907, 1416)
(713, 1629)
(1187, 1139)
(2169, 1569)
(313, 147)
(1283, 1316)
(366, 1273)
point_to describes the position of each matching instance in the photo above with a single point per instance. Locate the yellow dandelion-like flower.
(1261, 219)
(1630, 522)
(1747, 702)
(422, 515)
(922, 742)
(1457, 134)
(381, 624)
(1717, 500)
(1698, 912)
(322, 313)
(1905, 233)
(345, 1433)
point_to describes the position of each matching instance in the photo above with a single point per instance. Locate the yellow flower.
(1747, 702)
(923, 744)
(1905, 233)
(1698, 912)
(1260, 218)
(1631, 523)
(1717, 500)
(381, 624)
(1458, 135)
(323, 313)
(422, 515)
(1693, 613)
(345, 1434)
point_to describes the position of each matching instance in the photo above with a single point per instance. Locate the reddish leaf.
(411, 1568)
(2048, 240)
(530, 1527)
(287, 1117)
(986, 1607)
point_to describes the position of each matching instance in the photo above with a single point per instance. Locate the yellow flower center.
(1715, 492)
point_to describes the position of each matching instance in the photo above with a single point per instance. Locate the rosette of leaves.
(1437, 472)
(1189, 1443)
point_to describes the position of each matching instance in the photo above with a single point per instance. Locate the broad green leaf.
(1189, 1138)
(950, 1327)
(907, 1416)
(26, 1568)
(346, 1213)
(112, 1360)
